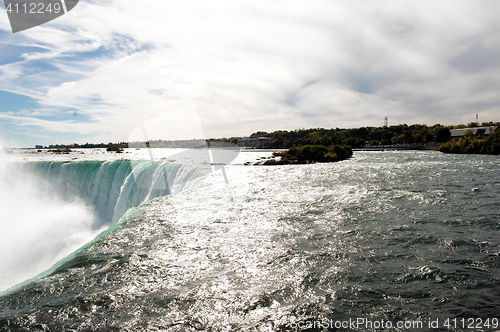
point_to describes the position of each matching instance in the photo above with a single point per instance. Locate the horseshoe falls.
(393, 241)
(111, 187)
(52, 208)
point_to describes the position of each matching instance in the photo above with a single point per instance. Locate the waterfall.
(112, 187)
(50, 209)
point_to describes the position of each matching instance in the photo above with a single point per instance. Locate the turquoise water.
(406, 238)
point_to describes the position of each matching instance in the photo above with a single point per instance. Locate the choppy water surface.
(392, 236)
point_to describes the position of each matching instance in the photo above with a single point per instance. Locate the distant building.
(479, 132)
(253, 142)
(38, 146)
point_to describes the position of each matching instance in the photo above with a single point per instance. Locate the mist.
(37, 227)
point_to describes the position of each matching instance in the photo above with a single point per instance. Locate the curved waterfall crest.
(112, 187)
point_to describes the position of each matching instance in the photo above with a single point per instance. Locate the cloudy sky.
(96, 73)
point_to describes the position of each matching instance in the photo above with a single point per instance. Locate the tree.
(443, 134)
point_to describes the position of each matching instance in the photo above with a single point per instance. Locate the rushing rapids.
(400, 241)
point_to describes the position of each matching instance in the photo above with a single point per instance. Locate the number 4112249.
(471, 323)
(34, 8)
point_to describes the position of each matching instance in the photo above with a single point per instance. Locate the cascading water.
(38, 227)
(393, 237)
(111, 188)
(51, 209)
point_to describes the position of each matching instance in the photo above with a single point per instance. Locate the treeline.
(357, 137)
(74, 146)
(185, 144)
(470, 144)
(352, 138)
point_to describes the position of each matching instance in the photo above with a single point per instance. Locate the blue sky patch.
(13, 53)
(13, 102)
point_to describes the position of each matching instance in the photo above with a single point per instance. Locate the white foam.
(36, 229)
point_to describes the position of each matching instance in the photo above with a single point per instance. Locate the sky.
(98, 72)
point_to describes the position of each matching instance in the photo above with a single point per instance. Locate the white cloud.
(262, 65)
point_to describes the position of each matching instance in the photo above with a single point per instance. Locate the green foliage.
(316, 153)
(442, 135)
(352, 138)
(469, 144)
(118, 148)
(357, 137)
